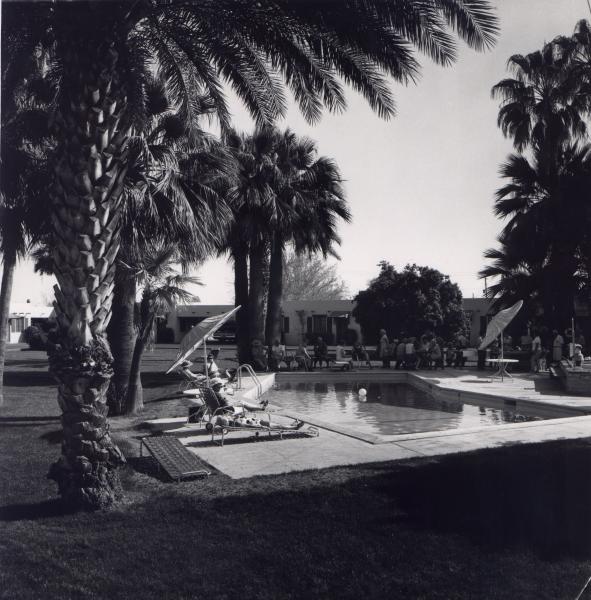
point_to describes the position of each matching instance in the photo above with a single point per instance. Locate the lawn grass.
(508, 523)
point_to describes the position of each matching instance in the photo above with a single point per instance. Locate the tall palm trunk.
(135, 391)
(135, 394)
(5, 294)
(240, 255)
(256, 297)
(122, 336)
(273, 324)
(89, 181)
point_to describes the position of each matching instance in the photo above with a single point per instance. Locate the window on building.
(285, 326)
(319, 323)
(483, 324)
(17, 324)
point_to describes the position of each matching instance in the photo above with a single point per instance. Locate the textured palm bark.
(135, 393)
(85, 218)
(122, 337)
(9, 265)
(241, 299)
(273, 323)
(256, 296)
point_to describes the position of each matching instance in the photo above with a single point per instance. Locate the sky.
(420, 186)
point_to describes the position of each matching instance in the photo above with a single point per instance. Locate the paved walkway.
(242, 457)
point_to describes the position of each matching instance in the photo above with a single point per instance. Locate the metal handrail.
(252, 374)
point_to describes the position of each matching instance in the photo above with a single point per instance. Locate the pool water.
(388, 409)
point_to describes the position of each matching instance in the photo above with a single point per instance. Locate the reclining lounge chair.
(223, 419)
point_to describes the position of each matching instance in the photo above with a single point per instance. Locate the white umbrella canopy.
(197, 336)
(498, 323)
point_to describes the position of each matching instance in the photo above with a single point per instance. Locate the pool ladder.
(246, 367)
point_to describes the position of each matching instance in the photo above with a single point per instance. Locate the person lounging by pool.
(236, 411)
(185, 370)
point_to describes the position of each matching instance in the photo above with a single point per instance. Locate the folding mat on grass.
(176, 461)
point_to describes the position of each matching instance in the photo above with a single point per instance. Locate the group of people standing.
(551, 349)
(426, 352)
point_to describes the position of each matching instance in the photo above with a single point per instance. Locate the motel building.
(308, 319)
(25, 314)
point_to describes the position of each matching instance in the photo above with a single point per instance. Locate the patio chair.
(224, 419)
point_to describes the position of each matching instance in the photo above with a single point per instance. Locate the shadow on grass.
(154, 380)
(53, 437)
(174, 396)
(28, 379)
(31, 512)
(27, 419)
(535, 496)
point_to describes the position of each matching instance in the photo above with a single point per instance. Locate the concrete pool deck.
(241, 457)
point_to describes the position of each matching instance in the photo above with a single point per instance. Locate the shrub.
(34, 336)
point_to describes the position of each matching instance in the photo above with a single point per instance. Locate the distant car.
(224, 337)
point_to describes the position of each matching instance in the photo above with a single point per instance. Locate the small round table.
(502, 364)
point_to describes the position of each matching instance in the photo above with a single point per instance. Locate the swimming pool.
(388, 410)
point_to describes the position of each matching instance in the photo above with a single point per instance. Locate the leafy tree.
(409, 303)
(104, 51)
(310, 277)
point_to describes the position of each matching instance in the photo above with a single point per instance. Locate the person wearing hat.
(578, 356)
(237, 410)
(225, 397)
(186, 371)
(212, 369)
(557, 344)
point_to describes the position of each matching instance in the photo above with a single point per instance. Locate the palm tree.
(309, 201)
(104, 51)
(543, 109)
(547, 224)
(171, 195)
(24, 166)
(162, 288)
(247, 239)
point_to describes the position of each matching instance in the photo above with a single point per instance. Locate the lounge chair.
(189, 380)
(222, 419)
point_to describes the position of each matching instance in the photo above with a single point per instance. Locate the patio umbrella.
(198, 335)
(498, 323)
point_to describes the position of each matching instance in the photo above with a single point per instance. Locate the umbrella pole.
(502, 357)
(205, 362)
